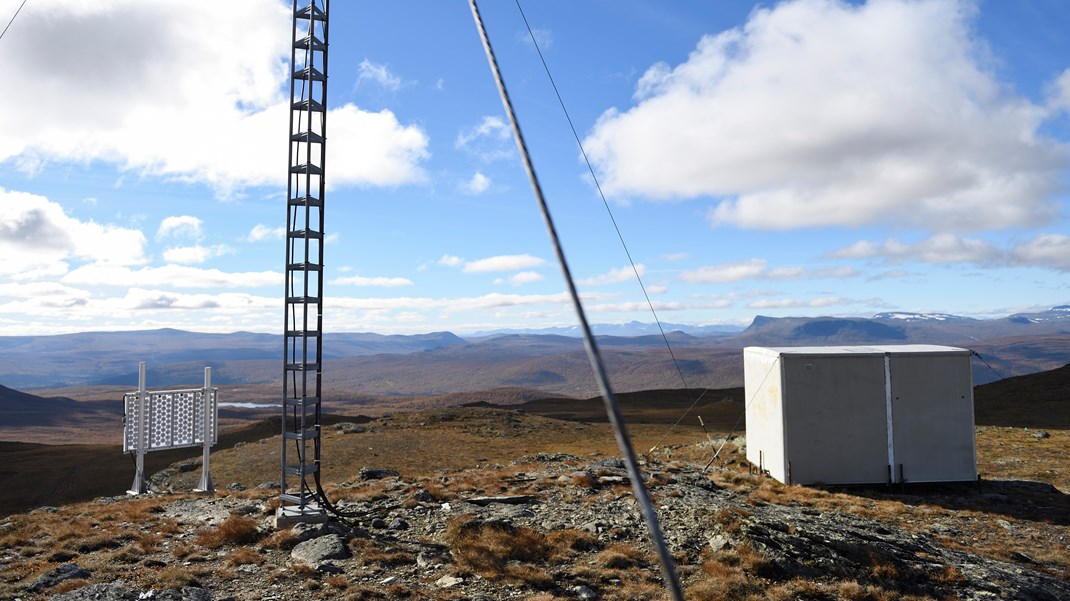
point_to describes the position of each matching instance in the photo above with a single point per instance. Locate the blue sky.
(812, 157)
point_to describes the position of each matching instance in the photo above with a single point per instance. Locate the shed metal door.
(837, 426)
(932, 418)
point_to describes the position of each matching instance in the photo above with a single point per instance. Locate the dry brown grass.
(619, 557)
(297, 571)
(338, 582)
(499, 551)
(175, 577)
(148, 542)
(1015, 453)
(244, 555)
(374, 552)
(282, 540)
(235, 530)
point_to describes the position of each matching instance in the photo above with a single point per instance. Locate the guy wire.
(620, 235)
(17, 11)
(668, 569)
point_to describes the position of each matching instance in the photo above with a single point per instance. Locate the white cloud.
(453, 305)
(175, 78)
(142, 299)
(633, 307)
(940, 248)
(450, 261)
(383, 282)
(1059, 93)
(189, 255)
(37, 237)
(756, 269)
(891, 274)
(170, 276)
(263, 232)
(478, 184)
(543, 37)
(377, 73)
(615, 276)
(503, 263)
(491, 140)
(525, 277)
(797, 303)
(46, 294)
(1045, 251)
(673, 257)
(823, 112)
(725, 272)
(180, 226)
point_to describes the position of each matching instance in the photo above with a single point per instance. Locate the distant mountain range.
(547, 359)
(632, 328)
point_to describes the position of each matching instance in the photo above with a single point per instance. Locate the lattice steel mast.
(303, 325)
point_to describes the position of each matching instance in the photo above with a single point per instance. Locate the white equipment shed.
(860, 414)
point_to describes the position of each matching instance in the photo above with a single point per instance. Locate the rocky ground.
(552, 526)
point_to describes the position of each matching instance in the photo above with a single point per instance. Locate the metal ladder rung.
(308, 137)
(306, 233)
(303, 469)
(310, 42)
(301, 201)
(306, 169)
(302, 333)
(302, 367)
(297, 499)
(309, 74)
(306, 434)
(313, 12)
(304, 267)
(307, 105)
(308, 401)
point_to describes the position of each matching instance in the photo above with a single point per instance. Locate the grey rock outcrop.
(67, 571)
(317, 550)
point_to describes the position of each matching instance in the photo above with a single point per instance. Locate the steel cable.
(17, 11)
(616, 227)
(668, 569)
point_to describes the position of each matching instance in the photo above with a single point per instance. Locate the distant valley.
(367, 365)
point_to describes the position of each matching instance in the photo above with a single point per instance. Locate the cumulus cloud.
(383, 282)
(379, 74)
(757, 269)
(826, 301)
(615, 276)
(503, 263)
(525, 277)
(169, 276)
(478, 184)
(824, 112)
(940, 248)
(177, 81)
(543, 37)
(264, 232)
(1046, 251)
(143, 299)
(180, 226)
(1059, 93)
(37, 237)
(491, 140)
(189, 255)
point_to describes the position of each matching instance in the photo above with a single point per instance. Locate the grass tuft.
(236, 530)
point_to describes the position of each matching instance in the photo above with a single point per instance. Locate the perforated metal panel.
(173, 419)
